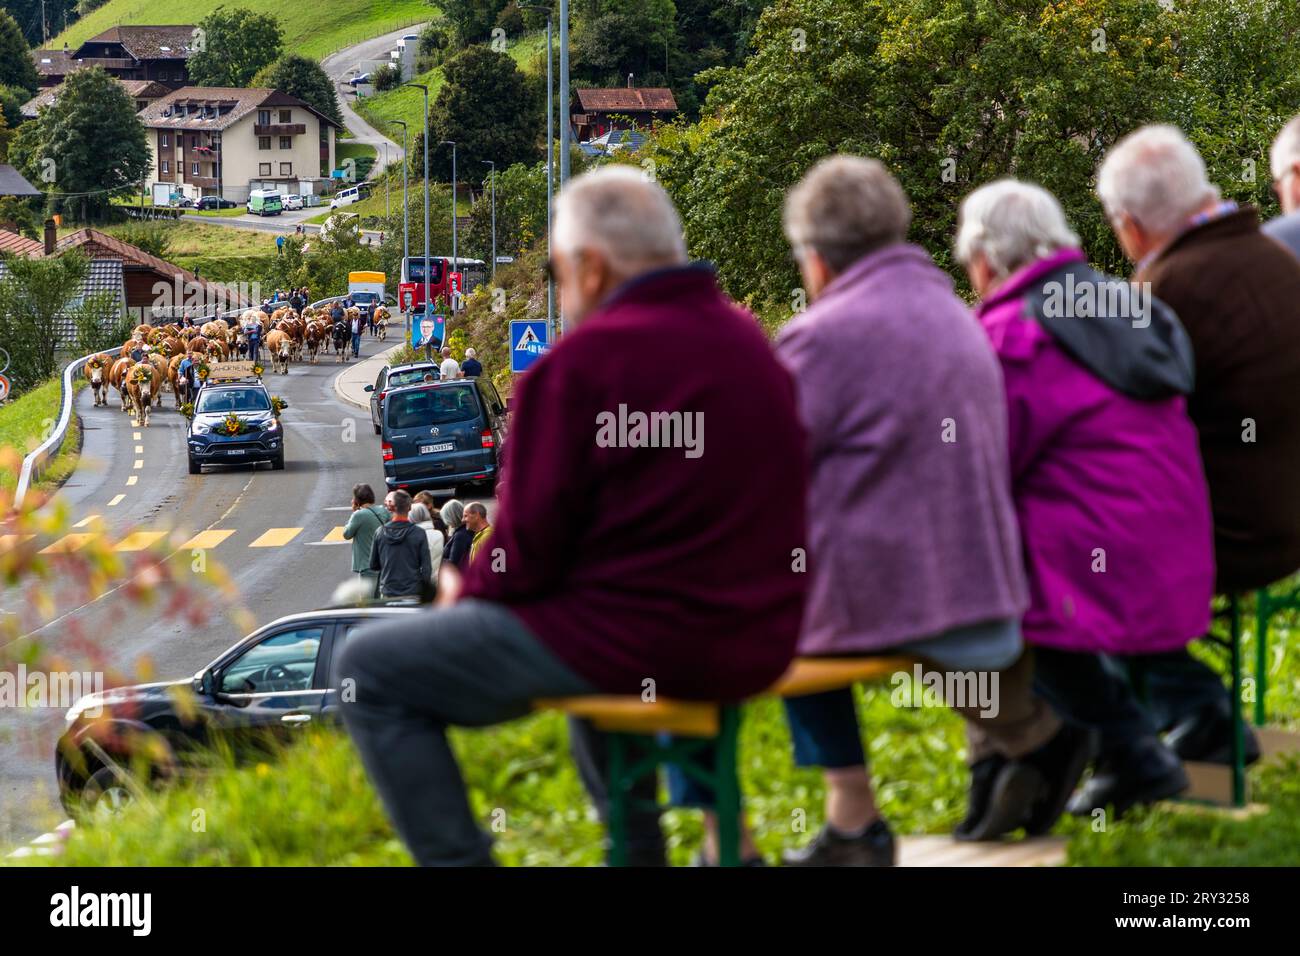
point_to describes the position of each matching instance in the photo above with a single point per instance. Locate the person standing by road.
(400, 552)
(459, 538)
(356, 325)
(366, 519)
(476, 519)
(254, 330)
(471, 367)
(450, 368)
(422, 518)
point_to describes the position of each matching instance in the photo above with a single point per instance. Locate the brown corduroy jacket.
(1237, 293)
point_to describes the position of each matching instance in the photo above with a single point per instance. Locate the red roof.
(624, 99)
(12, 242)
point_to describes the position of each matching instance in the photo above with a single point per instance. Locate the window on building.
(195, 170)
(263, 117)
(286, 142)
(166, 167)
(166, 141)
(286, 115)
(264, 169)
(263, 142)
(286, 169)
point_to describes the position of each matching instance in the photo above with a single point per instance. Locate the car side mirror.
(368, 388)
(205, 683)
(283, 403)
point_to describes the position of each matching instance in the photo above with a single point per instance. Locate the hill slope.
(312, 29)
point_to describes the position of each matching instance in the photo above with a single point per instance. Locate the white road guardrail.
(35, 463)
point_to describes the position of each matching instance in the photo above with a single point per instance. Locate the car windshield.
(364, 297)
(415, 271)
(432, 406)
(411, 376)
(222, 400)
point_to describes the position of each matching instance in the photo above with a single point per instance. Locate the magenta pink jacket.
(1109, 490)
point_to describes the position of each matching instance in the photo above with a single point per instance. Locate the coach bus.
(443, 280)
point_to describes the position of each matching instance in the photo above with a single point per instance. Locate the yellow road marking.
(138, 464)
(276, 537)
(136, 436)
(68, 543)
(85, 521)
(335, 535)
(139, 540)
(139, 449)
(116, 501)
(206, 540)
(131, 481)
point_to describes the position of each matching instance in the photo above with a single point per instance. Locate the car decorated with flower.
(234, 420)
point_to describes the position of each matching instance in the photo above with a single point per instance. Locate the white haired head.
(1011, 224)
(622, 214)
(1284, 164)
(845, 208)
(1155, 177)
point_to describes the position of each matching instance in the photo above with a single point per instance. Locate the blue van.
(443, 435)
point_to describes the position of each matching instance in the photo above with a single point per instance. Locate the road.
(276, 552)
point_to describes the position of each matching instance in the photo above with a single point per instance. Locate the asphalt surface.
(277, 553)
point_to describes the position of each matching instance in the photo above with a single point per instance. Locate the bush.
(511, 19)
(387, 77)
(154, 240)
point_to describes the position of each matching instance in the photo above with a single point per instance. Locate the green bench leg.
(1238, 717)
(625, 768)
(1263, 611)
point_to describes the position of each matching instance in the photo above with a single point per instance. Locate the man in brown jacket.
(1237, 293)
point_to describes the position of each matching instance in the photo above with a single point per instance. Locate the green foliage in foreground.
(314, 806)
(25, 422)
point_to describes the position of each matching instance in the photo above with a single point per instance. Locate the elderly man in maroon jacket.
(634, 547)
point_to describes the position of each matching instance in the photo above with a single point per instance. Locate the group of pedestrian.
(397, 562)
(1048, 491)
(451, 369)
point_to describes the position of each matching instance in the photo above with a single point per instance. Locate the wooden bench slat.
(633, 715)
(814, 675)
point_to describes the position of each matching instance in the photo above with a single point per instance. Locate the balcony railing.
(279, 129)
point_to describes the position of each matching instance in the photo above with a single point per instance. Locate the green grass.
(310, 29)
(26, 422)
(314, 806)
(344, 151)
(404, 103)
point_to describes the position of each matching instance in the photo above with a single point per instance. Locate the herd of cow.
(285, 335)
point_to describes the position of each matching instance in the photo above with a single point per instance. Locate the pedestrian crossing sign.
(528, 342)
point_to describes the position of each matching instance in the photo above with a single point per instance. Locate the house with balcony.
(598, 111)
(158, 53)
(219, 141)
(142, 93)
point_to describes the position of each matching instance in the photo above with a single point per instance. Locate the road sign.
(4, 388)
(505, 260)
(528, 342)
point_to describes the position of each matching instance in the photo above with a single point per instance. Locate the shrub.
(387, 77)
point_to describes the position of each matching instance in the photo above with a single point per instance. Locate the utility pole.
(550, 177)
(564, 92)
(406, 211)
(388, 206)
(455, 256)
(489, 162)
(427, 304)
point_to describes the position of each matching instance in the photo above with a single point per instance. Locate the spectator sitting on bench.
(625, 565)
(1113, 506)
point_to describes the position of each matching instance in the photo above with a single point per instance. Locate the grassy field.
(407, 104)
(26, 422)
(314, 806)
(312, 29)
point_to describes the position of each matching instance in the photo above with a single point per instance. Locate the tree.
(386, 77)
(302, 77)
(951, 94)
(16, 65)
(33, 295)
(473, 19)
(12, 99)
(87, 147)
(37, 17)
(627, 36)
(236, 44)
(488, 108)
(17, 215)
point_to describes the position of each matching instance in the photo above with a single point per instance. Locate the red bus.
(442, 280)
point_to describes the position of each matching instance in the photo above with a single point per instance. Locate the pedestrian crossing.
(208, 540)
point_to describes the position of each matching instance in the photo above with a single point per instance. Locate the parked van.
(446, 435)
(265, 203)
(345, 197)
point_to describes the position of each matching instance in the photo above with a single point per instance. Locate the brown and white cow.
(96, 371)
(143, 382)
(117, 378)
(277, 343)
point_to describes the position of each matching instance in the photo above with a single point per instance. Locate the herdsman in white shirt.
(450, 368)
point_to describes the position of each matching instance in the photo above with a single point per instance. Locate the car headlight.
(201, 429)
(273, 425)
(83, 704)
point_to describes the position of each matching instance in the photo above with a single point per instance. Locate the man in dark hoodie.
(400, 552)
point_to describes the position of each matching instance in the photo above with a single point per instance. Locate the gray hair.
(1156, 177)
(1011, 224)
(420, 513)
(453, 513)
(621, 213)
(1285, 149)
(470, 353)
(844, 208)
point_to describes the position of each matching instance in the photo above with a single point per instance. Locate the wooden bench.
(700, 738)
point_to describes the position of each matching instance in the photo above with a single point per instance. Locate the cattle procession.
(180, 357)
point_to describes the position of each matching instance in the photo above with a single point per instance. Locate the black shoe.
(875, 847)
(1206, 736)
(1015, 788)
(983, 774)
(1143, 773)
(1061, 761)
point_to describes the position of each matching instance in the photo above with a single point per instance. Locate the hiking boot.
(1061, 761)
(1143, 773)
(1206, 736)
(874, 847)
(983, 774)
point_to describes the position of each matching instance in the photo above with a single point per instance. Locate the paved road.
(277, 551)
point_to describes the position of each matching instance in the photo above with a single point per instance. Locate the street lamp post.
(550, 159)
(388, 206)
(564, 92)
(427, 304)
(489, 162)
(455, 260)
(406, 212)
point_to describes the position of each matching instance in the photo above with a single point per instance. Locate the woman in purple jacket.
(1106, 474)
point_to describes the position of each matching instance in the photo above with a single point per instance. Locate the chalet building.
(158, 53)
(143, 92)
(598, 111)
(218, 141)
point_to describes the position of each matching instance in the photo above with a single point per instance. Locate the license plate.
(432, 449)
(236, 451)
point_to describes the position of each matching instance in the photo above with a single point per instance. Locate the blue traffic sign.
(528, 342)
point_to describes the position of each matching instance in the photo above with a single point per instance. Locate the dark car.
(275, 680)
(396, 376)
(443, 435)
(260, 438)
(215, 202)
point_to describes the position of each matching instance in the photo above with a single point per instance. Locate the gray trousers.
(471, 665)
